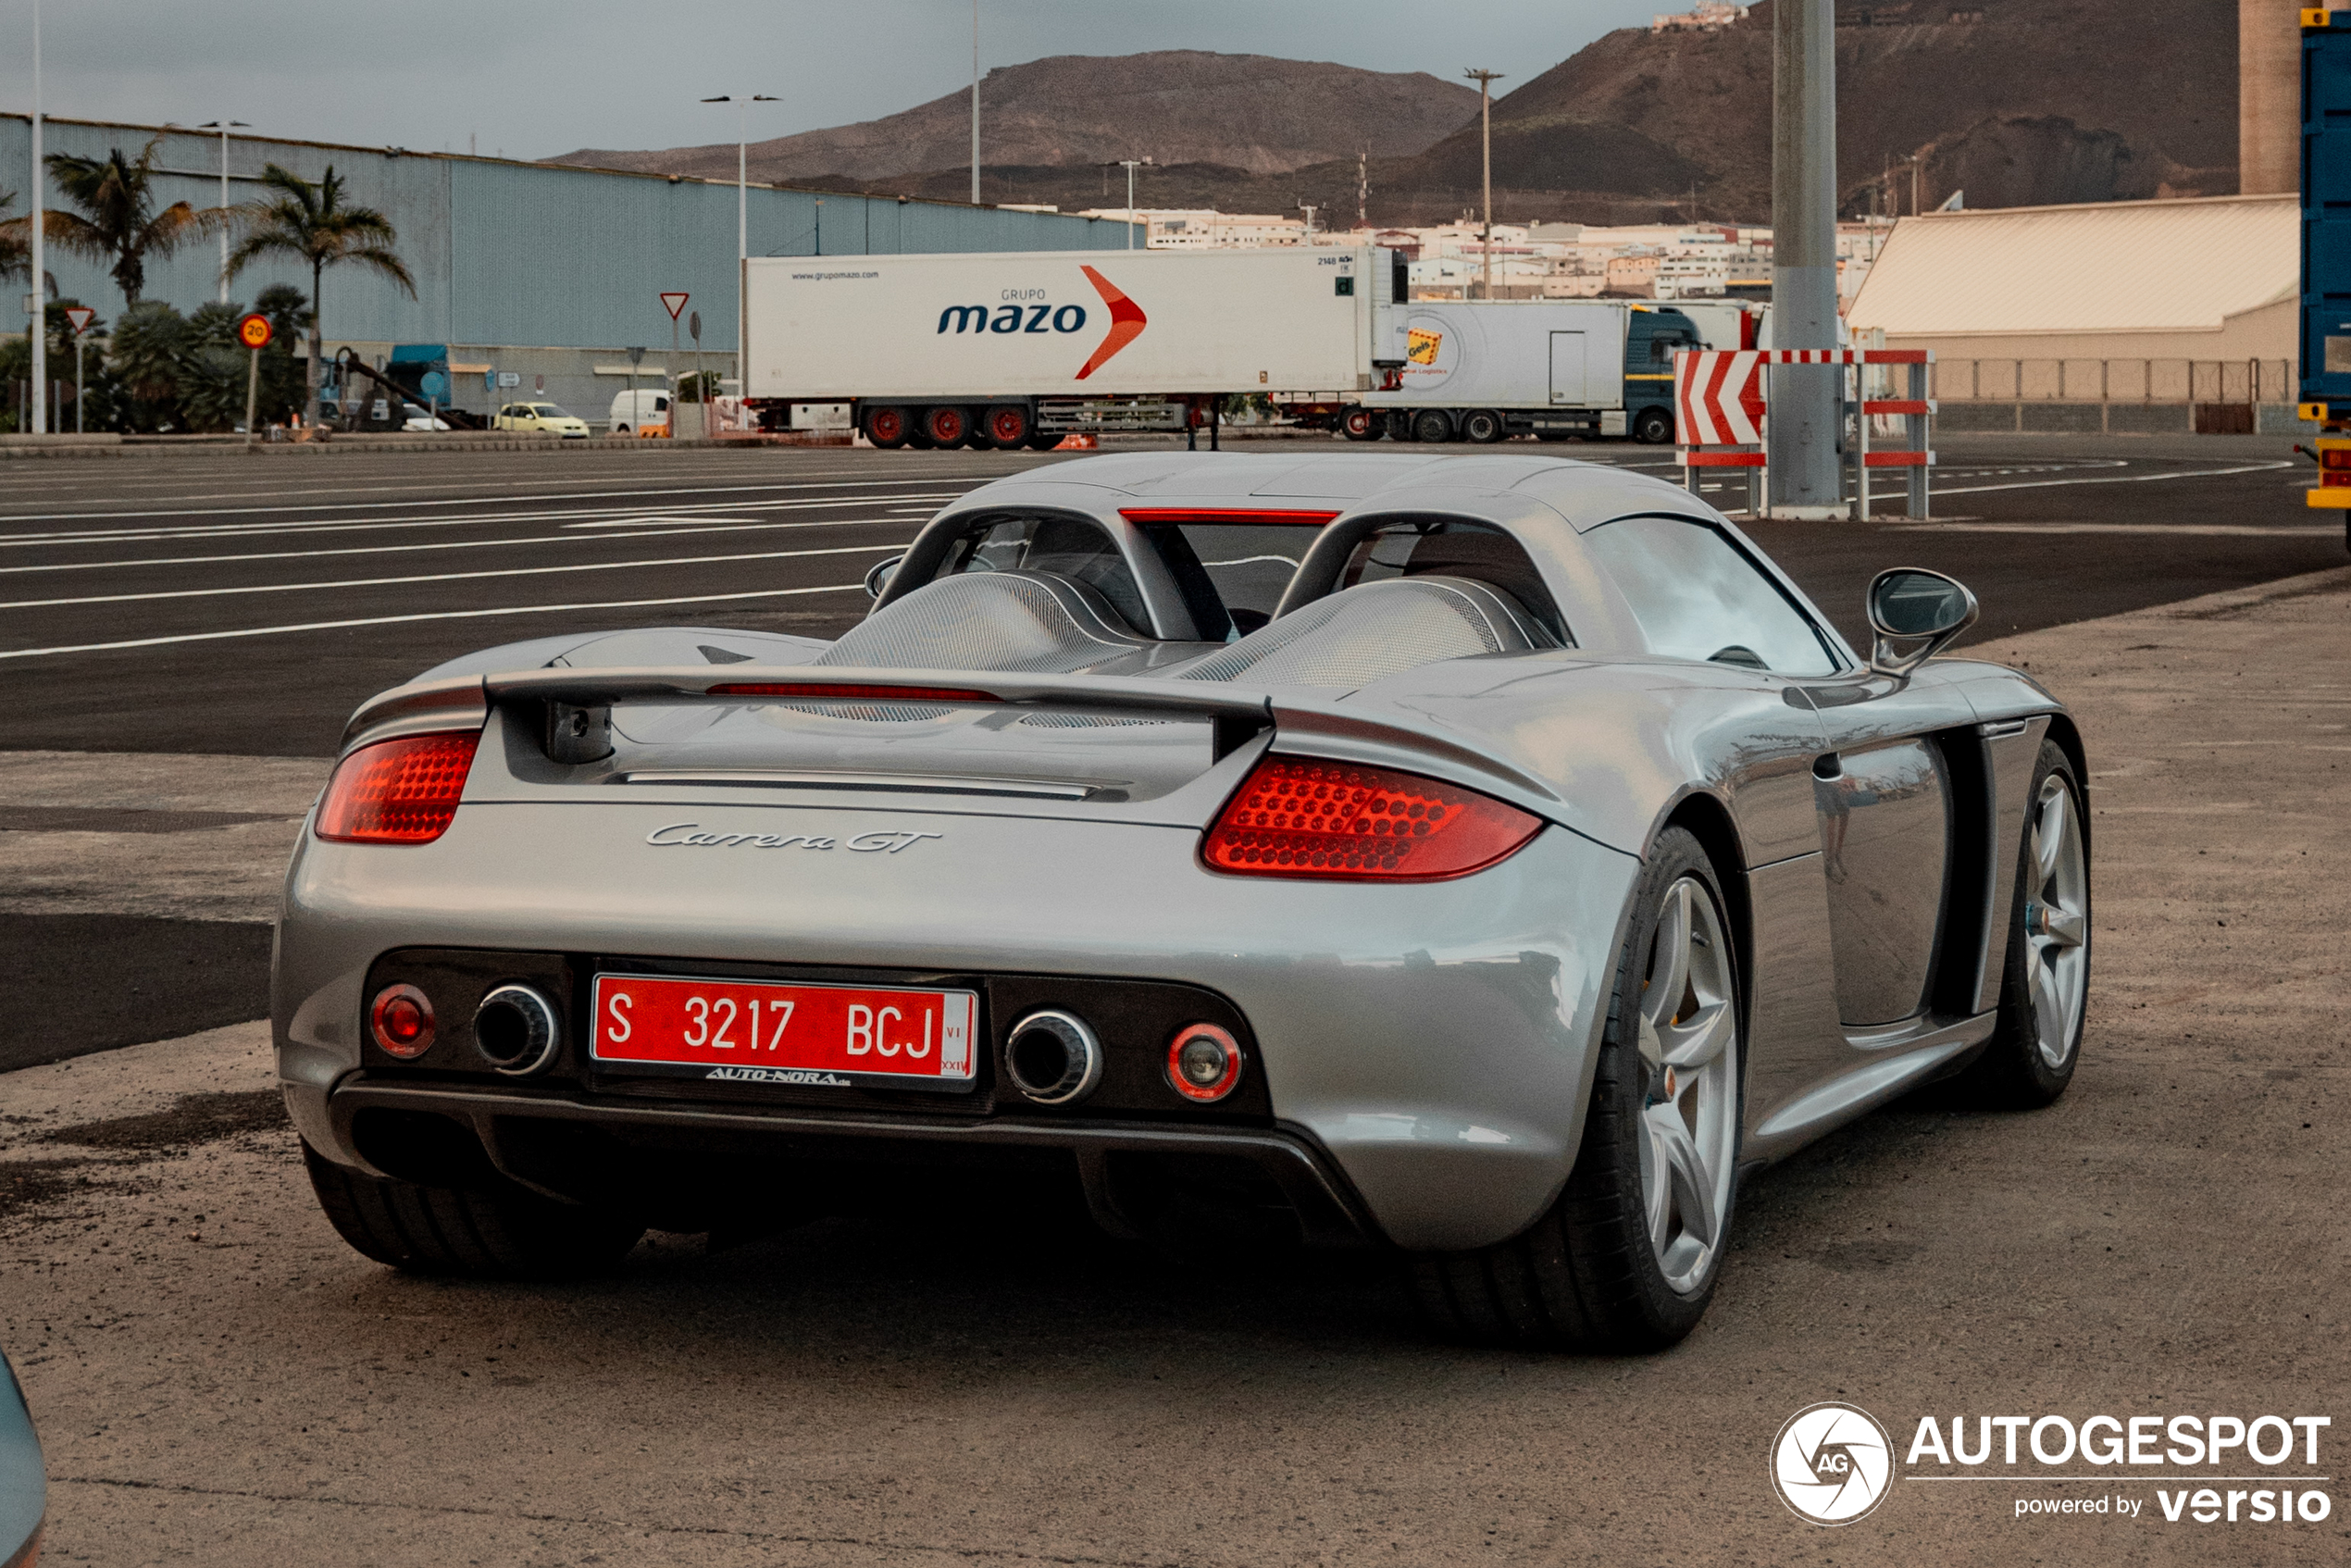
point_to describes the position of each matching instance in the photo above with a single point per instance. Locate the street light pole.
(742, 217)
(1485, 79)
(40, 398)
(223, 126)
(975, 102)
(1130, 166)
(1807, 400)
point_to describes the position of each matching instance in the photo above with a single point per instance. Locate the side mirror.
(1915, 614)
(878, 580)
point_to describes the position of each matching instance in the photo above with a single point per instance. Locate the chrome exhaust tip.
(518, 1030)
(1053, 1058)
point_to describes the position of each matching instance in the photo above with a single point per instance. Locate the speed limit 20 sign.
(253, 332)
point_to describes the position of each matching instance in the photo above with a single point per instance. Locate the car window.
(1232, 575)
(552, 411)
(1457, 547)
(1697, 597)
(1076, 548)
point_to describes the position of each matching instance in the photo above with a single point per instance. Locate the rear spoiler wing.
(570, 710)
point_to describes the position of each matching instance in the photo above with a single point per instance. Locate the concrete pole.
(975, 104)
(1485, 79)
(1806, 400)
(743, 241)
(39, 325)
(2268, 97)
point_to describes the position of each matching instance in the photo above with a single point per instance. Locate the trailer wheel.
(1655, 426)
(1400, 423)
(1361, 424)
(1042, 440)
(888, 427)
(1482, 426)
(1431, 424)
(1006, 427)
(946, 427)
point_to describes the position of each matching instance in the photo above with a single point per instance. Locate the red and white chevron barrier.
(1722, 411)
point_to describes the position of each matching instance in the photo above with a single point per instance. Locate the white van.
(645, 406)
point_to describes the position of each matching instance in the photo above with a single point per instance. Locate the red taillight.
(2335, 456)
(837, 691)
(400, 791)
(1293, 818)
(402, 1021)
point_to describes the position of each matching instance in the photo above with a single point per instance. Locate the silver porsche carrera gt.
(1487, 858)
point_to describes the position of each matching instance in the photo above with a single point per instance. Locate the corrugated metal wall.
(525, 255)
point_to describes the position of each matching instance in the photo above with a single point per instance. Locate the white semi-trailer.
(1022, 348)
(1482, 370)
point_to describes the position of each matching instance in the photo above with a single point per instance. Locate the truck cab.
(1481, 372)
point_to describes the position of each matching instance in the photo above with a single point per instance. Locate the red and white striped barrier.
(1722, 412)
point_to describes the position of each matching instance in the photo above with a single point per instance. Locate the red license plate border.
(625, 1069)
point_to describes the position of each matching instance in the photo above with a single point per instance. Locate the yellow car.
(542, 419)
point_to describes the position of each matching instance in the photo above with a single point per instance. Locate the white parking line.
(664, 528)
(492, 500)
(425, 615)
(258, 531)
(2121, 479)
(440, 577)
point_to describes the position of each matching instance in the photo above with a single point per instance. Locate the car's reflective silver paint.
(1429, 1048)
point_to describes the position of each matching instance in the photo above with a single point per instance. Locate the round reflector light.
(401, 1021)
(1203, 1062)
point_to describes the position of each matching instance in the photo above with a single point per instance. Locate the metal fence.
(2246, 381)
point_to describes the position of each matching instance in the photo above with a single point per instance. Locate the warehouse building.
(541, 278)
(2150, 316)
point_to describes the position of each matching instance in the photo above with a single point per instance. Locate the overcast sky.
(541, 77)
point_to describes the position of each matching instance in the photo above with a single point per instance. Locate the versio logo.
(1832, 1463)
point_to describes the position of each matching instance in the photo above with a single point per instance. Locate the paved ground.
(220, 1381)
(220, 604)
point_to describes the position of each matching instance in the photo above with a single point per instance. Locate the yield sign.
(674, 303)
(1718, 394)
(80, 316)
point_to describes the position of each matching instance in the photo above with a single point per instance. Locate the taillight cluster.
(401, 791)
(1296, 817)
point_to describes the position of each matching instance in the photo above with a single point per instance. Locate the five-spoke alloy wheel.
(1627, 1257)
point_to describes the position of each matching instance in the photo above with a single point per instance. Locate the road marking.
(257, 530)
(442, 577)
(2151, 530)
(489, 500)
(425, 615)
(2121, 478)
(670, 526)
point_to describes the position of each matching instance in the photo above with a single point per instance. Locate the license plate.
(755, 1031)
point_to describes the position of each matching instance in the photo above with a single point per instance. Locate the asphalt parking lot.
(220, 1380)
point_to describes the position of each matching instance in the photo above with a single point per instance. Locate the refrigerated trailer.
(1481, 370)
(1023, 348)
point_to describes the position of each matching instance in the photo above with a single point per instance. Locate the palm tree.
(118, 222)
(16, 242)
(311, 223)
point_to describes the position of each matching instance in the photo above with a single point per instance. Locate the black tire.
(1586, 1277)
(1554, 435)
(1482, 427)
(1432, 426)
(2013, 1072)
(1005, 427)
(501, 1232)
(889, 427)
(1654, 426)
(1043, 441)
(1358, 423)
(945, 426)
(1398, 423)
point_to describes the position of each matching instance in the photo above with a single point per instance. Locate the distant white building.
(1205, 228)
(1707, 15)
